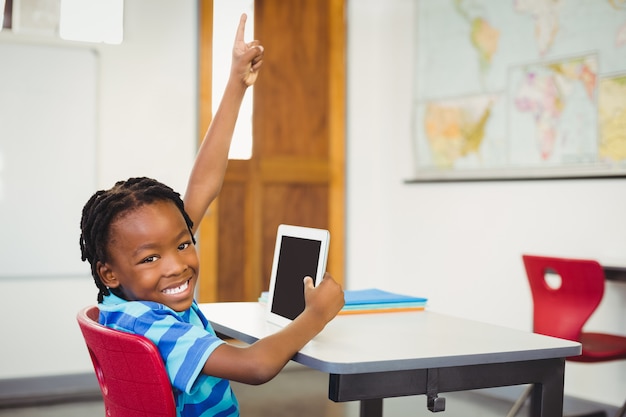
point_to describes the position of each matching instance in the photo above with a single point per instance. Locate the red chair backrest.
(562, 311)
(129, 368)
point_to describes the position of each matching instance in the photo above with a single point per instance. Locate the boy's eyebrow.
(150, 245)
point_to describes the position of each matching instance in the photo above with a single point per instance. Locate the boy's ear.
(106, 275)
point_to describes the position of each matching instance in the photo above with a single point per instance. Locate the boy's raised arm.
(207, 174)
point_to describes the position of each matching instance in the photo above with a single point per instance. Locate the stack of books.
(374, 300)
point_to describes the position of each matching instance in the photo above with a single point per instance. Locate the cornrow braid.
(105, 206)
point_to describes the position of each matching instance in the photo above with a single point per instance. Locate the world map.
(515, 87)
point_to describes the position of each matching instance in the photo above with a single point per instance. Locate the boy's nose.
(174, 266)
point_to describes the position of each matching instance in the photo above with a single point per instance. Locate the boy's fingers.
(256, 52)
(308, 283)
(241, 29)
(259, 55)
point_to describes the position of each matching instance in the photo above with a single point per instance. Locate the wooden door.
(296, 174)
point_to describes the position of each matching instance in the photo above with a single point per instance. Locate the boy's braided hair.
(105, 206)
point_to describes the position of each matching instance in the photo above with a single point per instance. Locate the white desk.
(374, 356)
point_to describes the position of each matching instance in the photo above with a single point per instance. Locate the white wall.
(460, 244)
(146, 126)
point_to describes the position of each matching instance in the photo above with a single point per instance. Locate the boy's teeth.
(177, 289)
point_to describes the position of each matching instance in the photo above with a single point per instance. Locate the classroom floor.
(303, 392)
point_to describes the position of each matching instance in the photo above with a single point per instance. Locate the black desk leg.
(547, 396)
(372, 408)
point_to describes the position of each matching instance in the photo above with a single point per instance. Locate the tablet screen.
(298, 258)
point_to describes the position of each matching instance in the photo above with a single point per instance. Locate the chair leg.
(520, 401)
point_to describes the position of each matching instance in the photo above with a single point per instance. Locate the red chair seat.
(601, 347)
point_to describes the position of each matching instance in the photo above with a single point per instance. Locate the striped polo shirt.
(185, 340)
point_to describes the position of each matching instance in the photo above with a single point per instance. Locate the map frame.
(575, 168)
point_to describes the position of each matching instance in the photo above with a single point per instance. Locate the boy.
(138, 238)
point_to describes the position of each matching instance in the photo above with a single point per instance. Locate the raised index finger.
(241, 29)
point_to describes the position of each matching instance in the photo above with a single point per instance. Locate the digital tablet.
(299, 252)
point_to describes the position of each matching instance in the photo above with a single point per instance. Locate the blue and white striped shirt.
(185, 340)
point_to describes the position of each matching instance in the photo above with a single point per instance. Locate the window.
(75, 20)
(226, 15)
(92, 20)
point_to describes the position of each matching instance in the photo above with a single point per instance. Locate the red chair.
(561, 309)
(129, 368)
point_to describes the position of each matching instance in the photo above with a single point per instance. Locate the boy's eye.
(184, 246)
(149, 259)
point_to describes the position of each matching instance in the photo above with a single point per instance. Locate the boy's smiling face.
(152, 256)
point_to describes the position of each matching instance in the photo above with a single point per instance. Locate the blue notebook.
(377, 296)
(374, 299)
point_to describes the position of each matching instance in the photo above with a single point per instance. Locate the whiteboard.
(48, 132)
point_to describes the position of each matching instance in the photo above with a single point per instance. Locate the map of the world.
(520, 88)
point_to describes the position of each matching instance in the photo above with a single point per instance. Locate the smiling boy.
(138, 237)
